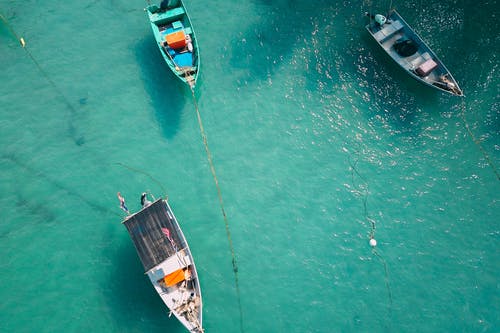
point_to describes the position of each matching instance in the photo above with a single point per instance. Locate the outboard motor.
(380, 19)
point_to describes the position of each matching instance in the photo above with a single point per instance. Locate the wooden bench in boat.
(168, 16)
(420, 59)
(385, 33)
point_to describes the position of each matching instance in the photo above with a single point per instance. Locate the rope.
(144, 173)
(219, 194)
(390, 9)
(477, 141)
(371, 222)
(56, 183)
(386, 277)
(12, 31)
(78, 140)
(367, 10)
(364, 193)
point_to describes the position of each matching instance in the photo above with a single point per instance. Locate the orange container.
(176, 40)
(174, 278)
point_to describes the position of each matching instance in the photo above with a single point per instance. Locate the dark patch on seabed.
(40, 175)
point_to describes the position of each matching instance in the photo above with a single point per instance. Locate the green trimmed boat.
(176, 40)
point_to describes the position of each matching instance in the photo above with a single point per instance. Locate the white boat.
(410, 52)
(167, 261)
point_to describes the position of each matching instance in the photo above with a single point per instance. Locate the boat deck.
(155, 234)
(421, 63)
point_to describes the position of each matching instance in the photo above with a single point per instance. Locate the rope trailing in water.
(364, 192)
(219, 194)
(12, 31)
(144, 173)
(78, 140)
(477, 141)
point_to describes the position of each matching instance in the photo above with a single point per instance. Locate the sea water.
(318, 142)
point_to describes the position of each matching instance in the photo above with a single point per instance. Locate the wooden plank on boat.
(385, 33)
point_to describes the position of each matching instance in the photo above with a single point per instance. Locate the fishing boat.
(175, 38)
(167, 260)
(410, 52)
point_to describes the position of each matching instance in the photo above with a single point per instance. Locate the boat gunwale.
(186, 249)
(181, 75)
(409, 31)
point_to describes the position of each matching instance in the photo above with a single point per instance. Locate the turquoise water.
(315, 135)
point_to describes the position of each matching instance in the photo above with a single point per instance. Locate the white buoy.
(373, 242)
(23, 43)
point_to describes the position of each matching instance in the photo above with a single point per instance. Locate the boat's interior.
(387, 31)
(179, 291)
(177, 43)
(177, 39)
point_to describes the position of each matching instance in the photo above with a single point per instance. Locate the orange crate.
(176, 40)
(174, 277)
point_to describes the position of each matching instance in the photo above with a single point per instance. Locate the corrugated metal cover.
(153, 244)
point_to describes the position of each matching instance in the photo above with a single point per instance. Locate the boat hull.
(168, 262)
(176, 40)
(398, 40)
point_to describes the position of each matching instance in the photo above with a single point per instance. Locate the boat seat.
(168, 16)
(153, 9)
(177, 25)
(388, 31)
(420, 59)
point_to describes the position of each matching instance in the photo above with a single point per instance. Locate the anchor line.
(386, 276)
(477, 141)
(12, 31)
(365, 192)
(221, 202)
(144, 173)
(45, 75)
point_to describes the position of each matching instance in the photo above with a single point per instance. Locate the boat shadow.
(132, 300)
(165, 91)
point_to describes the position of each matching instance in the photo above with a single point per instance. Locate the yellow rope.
(219, 194)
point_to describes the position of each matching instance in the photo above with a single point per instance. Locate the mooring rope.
(477, 141)
(47, 78)
(12, 31)
(144, 173)
(221, 202)
(364, 192)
